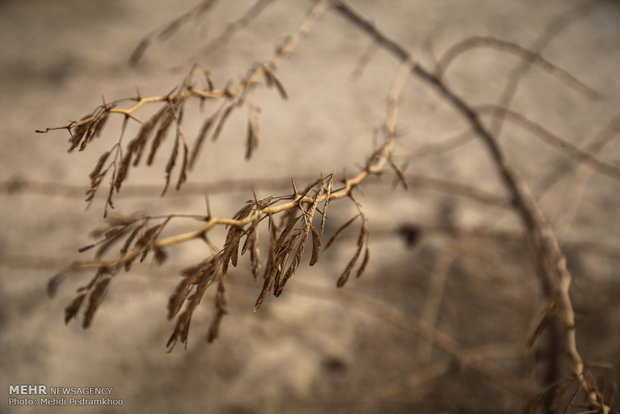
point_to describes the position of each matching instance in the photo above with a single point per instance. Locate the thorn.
(294, 188)
(208, 207)
(255, 198)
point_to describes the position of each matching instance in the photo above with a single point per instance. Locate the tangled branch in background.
(295, 222)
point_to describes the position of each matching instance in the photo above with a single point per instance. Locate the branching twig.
(287, 244)
(514, 79)
(527, 55)
(90, 126)
(582, 156)
(556, 277)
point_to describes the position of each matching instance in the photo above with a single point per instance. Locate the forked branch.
(556, 278)
(288, 239)
(118, 160)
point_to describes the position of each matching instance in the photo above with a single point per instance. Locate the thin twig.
(527, 55)
(18, 186)
(430, 311)
(514, 79)
(582, 156)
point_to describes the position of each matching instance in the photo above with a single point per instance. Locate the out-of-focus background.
(443, 265)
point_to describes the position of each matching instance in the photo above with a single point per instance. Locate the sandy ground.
(316, 348)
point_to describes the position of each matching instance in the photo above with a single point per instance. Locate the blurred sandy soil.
(314, 349)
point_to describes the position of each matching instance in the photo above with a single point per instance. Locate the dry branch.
(288, 245)
(141, 236)
(155, 129)
(556, 278)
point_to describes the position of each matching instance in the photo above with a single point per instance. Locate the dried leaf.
(177, 298)
(205, 272)
(88, 247)
(272, 249)
(255, 255)
(74, 307)
(78, 132)
(244, 211)
(272, 80)
(360, 244)
(364, 262)
(214, 327)
(95, 126)
(58, 278)
(170, 165)
(231, 248)
(164, 125)
(220, 311)
(138, 52)
(347, 271)
(183, 173)
(284, 253)
(181, 330)
(267, 285)
(209, 79)
(339, 231)
(220, 124)
(169, 30)
(558, 392)
(97, 170)
(94, 300)
(148, 235)
(330, 187)
(292, 220)
(551, 310)
(399, 174)
(160, 255)
(204, 130)
(110, 239)
(131, 237)
(137, 145)
(252, 137)
(248, 238)
(146, 241)
(121, 174)
(316, 246)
